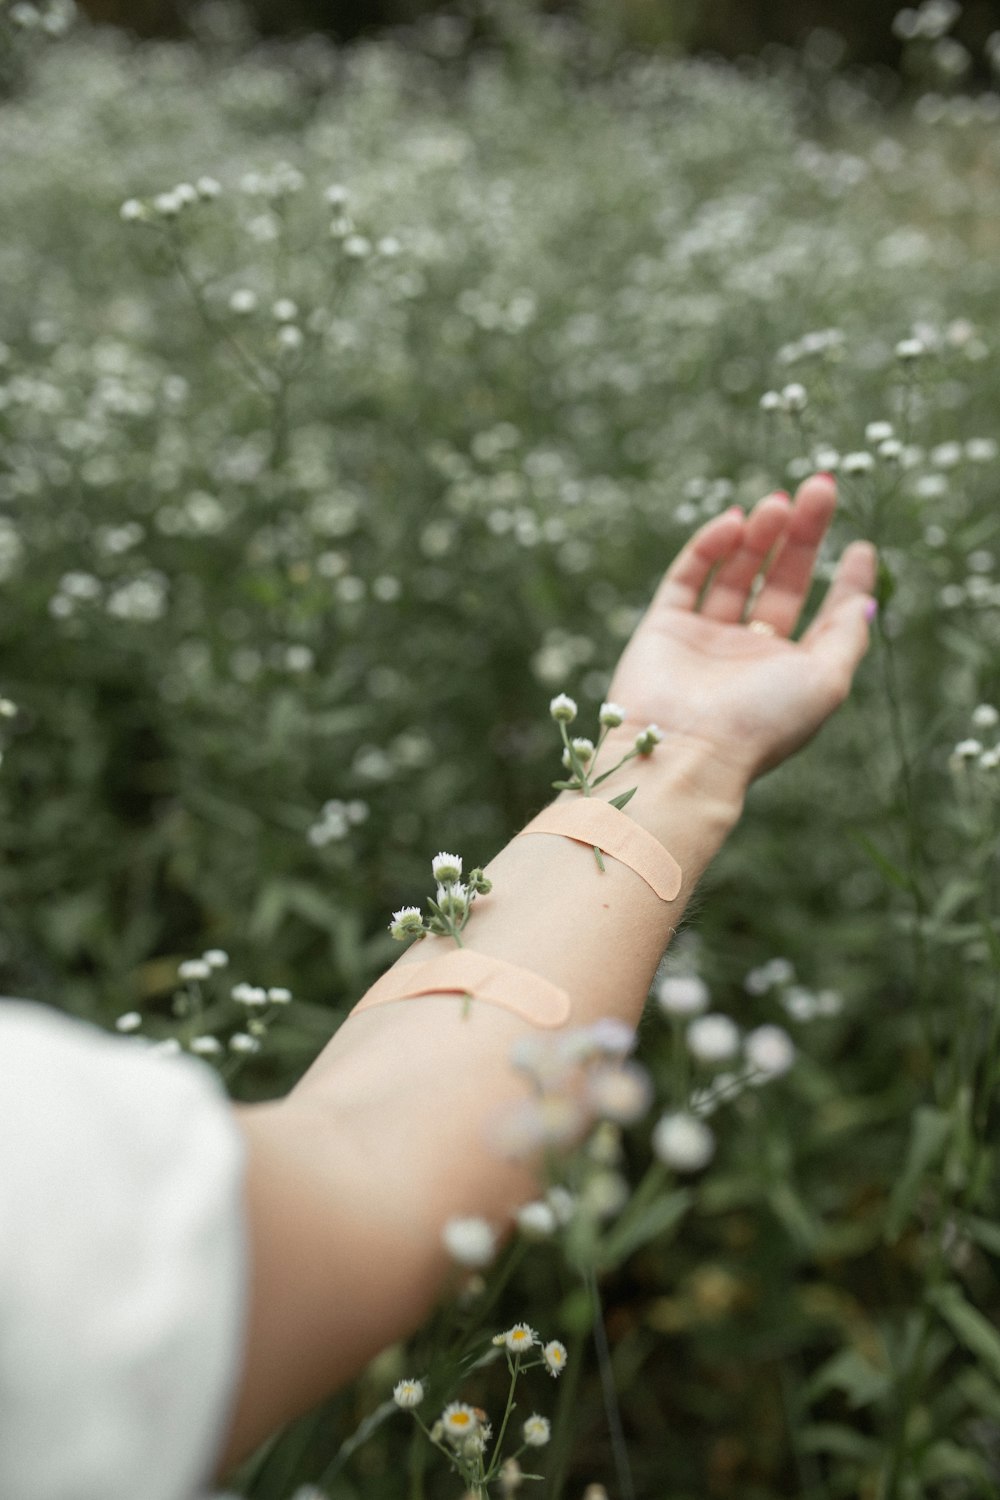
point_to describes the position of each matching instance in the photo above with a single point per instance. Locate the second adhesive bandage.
(601, 826)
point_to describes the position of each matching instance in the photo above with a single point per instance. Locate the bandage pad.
(590, 821)
(491, 980)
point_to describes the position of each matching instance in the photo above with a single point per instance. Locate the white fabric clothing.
(122, 1264)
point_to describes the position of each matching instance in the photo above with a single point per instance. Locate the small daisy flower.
(446, 868)
(194, 968)
(470, 1241)
(536, 1431)
(611, 715)
(555, 1356)
(536, 1221)
(683, 1142)
(583, 751)
(563, 708)
(520, 1338)
(406, 923)
(130, 1021)
(242, 1043)
(205, 1046)
(770, 1050)
(713, 1039)
(458, 1420)
(647, 741)
(794, 397)
(278, 995)
(216, 958)
(408, 1393)
(682, 994)
(771, 401)
(910, 349)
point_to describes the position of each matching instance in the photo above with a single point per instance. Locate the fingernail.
(871, 610)
(781, 495)
(825, 474)
(735, 510)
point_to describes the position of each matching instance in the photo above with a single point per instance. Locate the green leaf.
(892, 873)
(983, 1232)
(632, 1232)
(929, 1133)
(842, 1442)
(800, 1222)
(566, 786)
(977, 1333)
(623, 798)
(946, 1460)
(848, 1371)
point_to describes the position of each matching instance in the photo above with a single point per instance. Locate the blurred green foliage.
(314, 489)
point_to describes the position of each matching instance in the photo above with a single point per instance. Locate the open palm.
(713, 658)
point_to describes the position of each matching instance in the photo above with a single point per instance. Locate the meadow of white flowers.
(351, 404)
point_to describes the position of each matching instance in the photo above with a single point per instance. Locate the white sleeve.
(122, 1264)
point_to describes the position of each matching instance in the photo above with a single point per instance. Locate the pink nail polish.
(871, 610)
(825, 474)
(781, 495)
(735, 510)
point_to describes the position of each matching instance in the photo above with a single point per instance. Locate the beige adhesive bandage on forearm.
(491, 980)
(590, 821)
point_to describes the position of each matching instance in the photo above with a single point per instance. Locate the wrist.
(682, 772)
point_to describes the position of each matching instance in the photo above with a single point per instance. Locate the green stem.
(612, 1409)
(497, 1446)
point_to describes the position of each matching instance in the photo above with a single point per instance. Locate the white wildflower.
(520, 1338)
(857, 463)
(683, 1143)
(406, 923)
(130, 1021)
(243, 301)
(408, 1393)
(458, 1420)
(611, 715)
(216, 958)
(794, 397)
(714, 1038)
(563, 708)
(681, 994)
(910, 349)
(555, 1356)
(470, 1241)
(536, 1220)
(536, 1431)
(132, 211)
(650, 737)
(244, 1044)
(194, 968)
(770, 1050)
(205, 1046)
(771, 401)
(878, 432)
(278, 995)
(446, 868)
(985, 716)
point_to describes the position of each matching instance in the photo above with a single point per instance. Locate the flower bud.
(562, 708)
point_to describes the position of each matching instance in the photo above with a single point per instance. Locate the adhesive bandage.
(491, 980)
(590, 821)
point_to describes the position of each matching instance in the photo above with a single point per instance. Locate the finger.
(786, 586)
(838, 646)
(855, 574)
(727, 594)
(712, 544)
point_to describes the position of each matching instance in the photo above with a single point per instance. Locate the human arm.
(353, 1175)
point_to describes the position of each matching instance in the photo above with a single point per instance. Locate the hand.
(702, 670)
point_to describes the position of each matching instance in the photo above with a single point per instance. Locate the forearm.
(387, 1135)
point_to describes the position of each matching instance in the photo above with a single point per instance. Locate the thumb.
(839, 643)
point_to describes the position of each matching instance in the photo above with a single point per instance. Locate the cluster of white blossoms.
(336, 820)
(51, 17)
(196, 976)
(450, 907)
(170, 203)
(972, 753)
